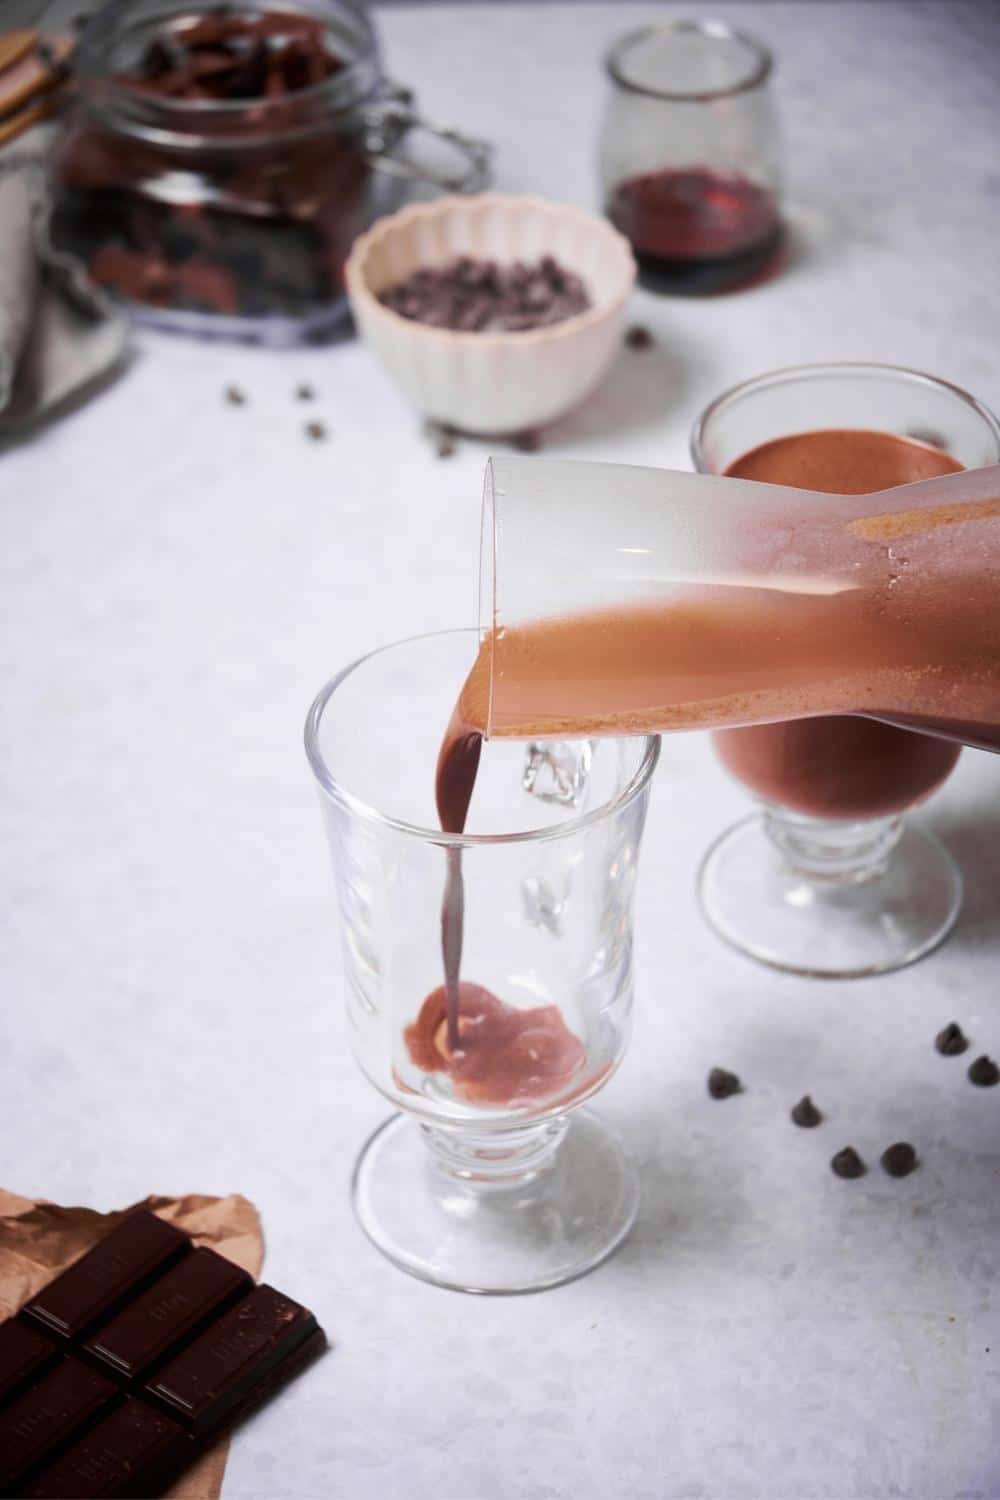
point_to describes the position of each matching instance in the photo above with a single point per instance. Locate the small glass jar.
(689, 155)
(234, 215)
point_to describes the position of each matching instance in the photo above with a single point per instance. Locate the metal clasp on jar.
(390, 118)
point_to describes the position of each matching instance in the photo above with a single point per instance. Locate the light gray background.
(177, 577)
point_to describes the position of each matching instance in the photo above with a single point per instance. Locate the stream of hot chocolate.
(494, 1053)
(455, 778)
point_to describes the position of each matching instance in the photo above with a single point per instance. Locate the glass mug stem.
(832, 852)
(489, 1160)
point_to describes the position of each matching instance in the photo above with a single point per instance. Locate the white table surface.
(178, 576)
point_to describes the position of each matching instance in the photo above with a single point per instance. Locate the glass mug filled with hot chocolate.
(828, 879)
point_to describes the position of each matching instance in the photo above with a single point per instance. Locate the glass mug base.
(516, 1211)
(761, 903)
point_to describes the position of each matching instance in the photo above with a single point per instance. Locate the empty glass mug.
(492, 1179)
(689, 154)
(829, 878)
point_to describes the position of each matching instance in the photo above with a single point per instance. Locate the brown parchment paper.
(39, 1239)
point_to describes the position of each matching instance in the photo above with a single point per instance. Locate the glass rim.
(364, 811)
(861, 368)
(760, 69)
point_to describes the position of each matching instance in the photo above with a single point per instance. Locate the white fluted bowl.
(493, 382)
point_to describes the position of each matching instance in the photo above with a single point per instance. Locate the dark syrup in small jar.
(695, 230)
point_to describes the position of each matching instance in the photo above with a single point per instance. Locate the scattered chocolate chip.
(848, 1163)
(316, 431)
(984, 1072)
(806, 1114)
(305, 393)
(900, 1159)
(639, 337)
(482, 296)
(722, 1084)
(951, 1041)
(235, 396)
(528, 441)
(441, 437)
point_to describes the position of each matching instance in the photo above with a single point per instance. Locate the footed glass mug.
(492, 1178)
(830, 878)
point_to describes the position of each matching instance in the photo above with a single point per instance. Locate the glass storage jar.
(235, 214)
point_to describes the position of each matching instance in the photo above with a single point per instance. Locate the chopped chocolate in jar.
(722, 1084)
(234, 396)
(806, 1114)
(984, 1072)
(316, 431)
(305, 393)
(236, 56)
(848, 1163)
(952, 1041)
(483, 296)
(900, 1159)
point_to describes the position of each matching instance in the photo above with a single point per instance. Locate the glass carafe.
(619, 600)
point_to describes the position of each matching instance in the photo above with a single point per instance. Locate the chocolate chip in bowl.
(493, 314)
(485, 296)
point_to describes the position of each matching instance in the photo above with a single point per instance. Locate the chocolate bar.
(124, 1369)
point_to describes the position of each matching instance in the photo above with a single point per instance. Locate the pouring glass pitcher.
(621, 600)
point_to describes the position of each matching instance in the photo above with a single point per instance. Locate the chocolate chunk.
(48, 1414)
(723, 1084)
(304, 393)
(24, 1354)
(984, 1072)
(141, 1248)
(316, 431)
(806, 1114)
(215, 1372)
(848, 1163)
(900, 1159)
(183, 1300)
(639, 337)
(951, 1041)
(480, 296)
(210, 1346)
(248, 56)
(235, 396)
(134, 1451)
